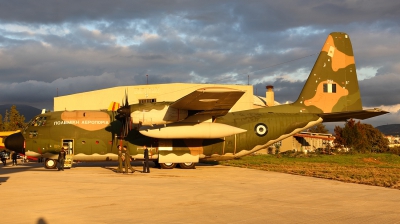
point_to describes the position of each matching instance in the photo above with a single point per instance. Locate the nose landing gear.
(50, 164)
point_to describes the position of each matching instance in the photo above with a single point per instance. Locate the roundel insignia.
(261, 129)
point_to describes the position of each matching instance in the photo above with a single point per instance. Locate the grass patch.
(372, 169)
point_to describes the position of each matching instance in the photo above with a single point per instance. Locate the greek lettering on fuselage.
(80, 122)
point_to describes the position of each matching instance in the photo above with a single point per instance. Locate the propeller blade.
(126, 98)
(124, 115)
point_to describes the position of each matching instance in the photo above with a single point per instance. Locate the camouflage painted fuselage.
(96, 135)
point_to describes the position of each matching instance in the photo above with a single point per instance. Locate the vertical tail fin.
(332, 85)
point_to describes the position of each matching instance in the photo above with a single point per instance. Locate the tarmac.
(94, 193)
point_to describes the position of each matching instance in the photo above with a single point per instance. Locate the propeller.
(124, 116)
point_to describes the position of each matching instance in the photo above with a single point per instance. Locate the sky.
(55, 47)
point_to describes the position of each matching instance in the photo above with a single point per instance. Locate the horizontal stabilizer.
(360, 114)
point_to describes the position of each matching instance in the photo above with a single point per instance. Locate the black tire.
(167, 165)
(50, 164)
(187, 165)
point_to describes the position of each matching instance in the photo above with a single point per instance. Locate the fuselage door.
(68, 145)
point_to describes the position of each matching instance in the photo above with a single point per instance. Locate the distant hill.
(28, 111)
(389, 129)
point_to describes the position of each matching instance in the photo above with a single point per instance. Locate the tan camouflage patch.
(195, 146)
(325, 100)
(87, 120)
(339, 59)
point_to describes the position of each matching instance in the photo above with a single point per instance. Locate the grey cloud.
(40, 94)
(380, 90)
(253, 14)
(194, 41)
(58, 11)
(284, 90)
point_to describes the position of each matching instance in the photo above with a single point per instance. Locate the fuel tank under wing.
(184, 130)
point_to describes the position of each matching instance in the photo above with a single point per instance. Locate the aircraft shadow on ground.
(99, 164)
(110, 165)
(115, 169)
(3, 179)
(9, 169)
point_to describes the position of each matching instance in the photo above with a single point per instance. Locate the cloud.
(50, 44)
(380, 90)
(39, 93)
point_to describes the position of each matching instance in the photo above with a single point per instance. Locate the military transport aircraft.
(199, 127)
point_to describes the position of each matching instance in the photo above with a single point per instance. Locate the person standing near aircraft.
(146, 168)
(127, 160)
(61, 159)
(14, 158)
(3, 157)
(120, 160)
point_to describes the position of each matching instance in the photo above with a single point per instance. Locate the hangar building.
(101, 99)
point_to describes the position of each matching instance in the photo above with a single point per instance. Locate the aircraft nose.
(15, 142)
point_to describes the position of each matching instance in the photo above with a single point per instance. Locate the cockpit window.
(33, 134)
(38, 121)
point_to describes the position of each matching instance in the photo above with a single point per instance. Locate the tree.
(378, 142)
(13, 120)
(360, 137)
(319, 128)
(339, 139)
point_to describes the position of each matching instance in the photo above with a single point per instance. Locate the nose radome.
(15, 142)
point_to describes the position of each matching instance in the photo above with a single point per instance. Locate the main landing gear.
(187, 165)
(173, 165)
(167, 165)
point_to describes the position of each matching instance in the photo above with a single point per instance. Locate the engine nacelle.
(155, 117)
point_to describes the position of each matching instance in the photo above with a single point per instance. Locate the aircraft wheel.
(187, 165)
(167, 165)
(50, 164)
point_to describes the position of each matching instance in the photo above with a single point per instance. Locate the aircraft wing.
(215, 101)
(343, 116)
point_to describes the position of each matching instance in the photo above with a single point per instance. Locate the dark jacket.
(61, 155)
(146, 153)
